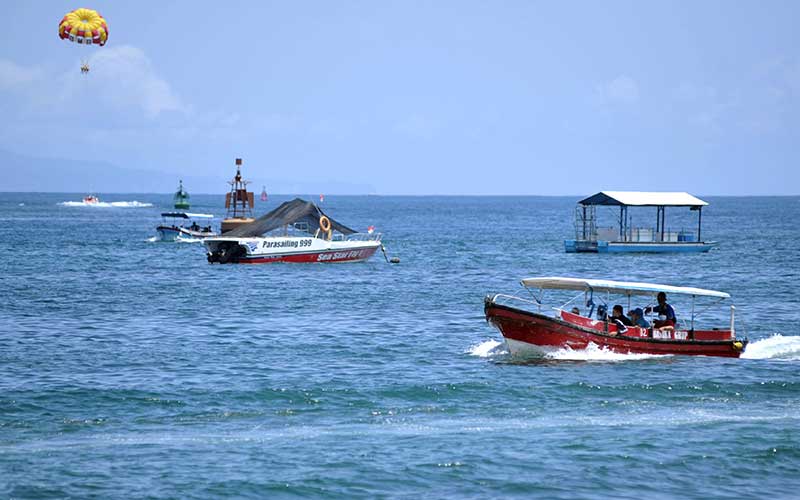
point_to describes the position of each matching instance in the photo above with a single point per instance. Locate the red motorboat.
(529, 331)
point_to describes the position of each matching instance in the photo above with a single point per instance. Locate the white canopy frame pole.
(733, 312)
(699, 222)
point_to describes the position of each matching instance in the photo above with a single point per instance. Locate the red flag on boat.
(321, 198)
(371, 229)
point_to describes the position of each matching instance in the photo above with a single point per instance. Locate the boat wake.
(774, 347)
(104, 204)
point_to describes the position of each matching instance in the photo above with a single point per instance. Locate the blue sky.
(541, 98)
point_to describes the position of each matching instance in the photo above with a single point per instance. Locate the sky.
(411, 97)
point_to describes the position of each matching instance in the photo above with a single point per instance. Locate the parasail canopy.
(84, 26)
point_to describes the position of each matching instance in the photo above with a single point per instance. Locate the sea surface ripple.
(130, 367)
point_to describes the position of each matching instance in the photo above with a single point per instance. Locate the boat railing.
(360, 237)
(643, 234)
(649, 234)
(500, 298)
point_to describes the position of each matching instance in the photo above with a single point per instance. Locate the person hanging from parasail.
(85, 27)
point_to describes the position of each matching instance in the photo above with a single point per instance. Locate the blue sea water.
(133, 368)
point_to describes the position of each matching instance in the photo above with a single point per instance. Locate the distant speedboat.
(91, 200)
(528, 330)
(184, 226)
(296, 231)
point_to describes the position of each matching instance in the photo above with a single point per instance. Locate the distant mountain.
(20, 173)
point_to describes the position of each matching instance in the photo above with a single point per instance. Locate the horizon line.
(384, 194)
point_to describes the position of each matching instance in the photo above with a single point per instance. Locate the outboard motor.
(228, 252)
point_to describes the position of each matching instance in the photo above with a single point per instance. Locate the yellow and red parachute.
(85, 26)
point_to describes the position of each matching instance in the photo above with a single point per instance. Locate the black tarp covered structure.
(289, 212)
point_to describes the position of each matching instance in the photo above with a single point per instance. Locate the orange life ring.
(325, 224)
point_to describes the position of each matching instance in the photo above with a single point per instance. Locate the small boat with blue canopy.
(626, 236)
(185, 226)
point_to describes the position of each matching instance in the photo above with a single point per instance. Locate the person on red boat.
(618, 315)
(619, 318)
(666, 314)
(637, 318)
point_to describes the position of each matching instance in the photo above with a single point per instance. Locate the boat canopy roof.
(288, 212)
(644, 199)
(623, 287)
(185, 215)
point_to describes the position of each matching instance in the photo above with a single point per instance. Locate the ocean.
(133, 368)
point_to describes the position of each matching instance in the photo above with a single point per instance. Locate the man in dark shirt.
(618, 318)
(666, 314)
(617, 315)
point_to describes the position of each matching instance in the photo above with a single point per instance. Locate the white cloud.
(13, 75)
(121, 77)
(622, 89)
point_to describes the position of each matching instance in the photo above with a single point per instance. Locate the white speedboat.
(183, 225)
(296, 231)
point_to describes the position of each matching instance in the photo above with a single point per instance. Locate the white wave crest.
(775, 347)
(104, 204)
(487, 348)
(593, 352)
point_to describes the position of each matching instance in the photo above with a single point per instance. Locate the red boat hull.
(542, 333)
(353, 255)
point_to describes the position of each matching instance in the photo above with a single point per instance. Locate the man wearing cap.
(637, 317)
(666, 314)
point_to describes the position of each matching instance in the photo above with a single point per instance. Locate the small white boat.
(91, 200)
(296, 231)
(185, 226)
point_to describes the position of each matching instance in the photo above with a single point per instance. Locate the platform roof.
(622, 287)
(644, 199)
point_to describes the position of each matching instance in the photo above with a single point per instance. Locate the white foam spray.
(775, 347)
(487, 349)
(593, 352)
(104, 204)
